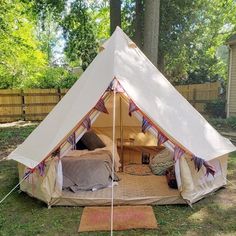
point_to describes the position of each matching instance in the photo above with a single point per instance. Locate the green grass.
(23, 215)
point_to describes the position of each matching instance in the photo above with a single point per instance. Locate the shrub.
(228, 124)
(216, 108)
(231, 121)
(52, 77)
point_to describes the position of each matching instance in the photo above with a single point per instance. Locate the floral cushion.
(161, 162)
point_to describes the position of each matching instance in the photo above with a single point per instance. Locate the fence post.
(59, 94)
(22, 104)
(194, 97)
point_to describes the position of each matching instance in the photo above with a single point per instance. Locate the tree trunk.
(151, 29)
(139, 10)
(115, 15)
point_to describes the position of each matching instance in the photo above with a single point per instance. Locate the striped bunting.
(57, 153)
(115, 85)
(87, 123)
(161, 138)
(178, 152)
(145, 125)
(72, 141)
(100, 106)
(27, 173)
(199, 162)
(132, 107)
(41, 168)
(119, 88)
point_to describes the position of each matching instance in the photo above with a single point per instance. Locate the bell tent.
(125, 99)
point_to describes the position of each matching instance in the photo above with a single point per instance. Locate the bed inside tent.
(136, 150)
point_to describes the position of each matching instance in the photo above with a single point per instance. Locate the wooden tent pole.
(121, 136)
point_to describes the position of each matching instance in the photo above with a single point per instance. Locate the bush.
(52, 77)
(228, 124)
(232, 122)
(216, 108)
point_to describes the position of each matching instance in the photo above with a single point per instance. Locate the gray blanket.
(87, 171)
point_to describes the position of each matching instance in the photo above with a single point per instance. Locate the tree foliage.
(191, 41)
(81, 45)
(190, 34)
(20, 57)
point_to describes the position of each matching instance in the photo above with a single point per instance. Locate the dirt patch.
(19, 123)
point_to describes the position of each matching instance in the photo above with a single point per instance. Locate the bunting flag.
(115, 85)
(56, 153)
(27, 173)
(87, 123)
(161, 138)
(72, 141)
(41, 168)
(199, 162)
(145, 125)
(119, 88)
(100, 106)
(209, 168)
(132, 107)
(178, 153)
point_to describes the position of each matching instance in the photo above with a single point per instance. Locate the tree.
(151, 29)
(20, 58)
(79, 32)
(190, 34)
(138, 35)
(115, 14)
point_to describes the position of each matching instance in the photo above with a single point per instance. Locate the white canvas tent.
(153, 94)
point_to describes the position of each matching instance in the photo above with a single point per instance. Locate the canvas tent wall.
(152, 93)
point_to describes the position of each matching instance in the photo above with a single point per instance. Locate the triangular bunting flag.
(28, 171)
(72, 141)
(87, 123)
(115, 85)
(161, 138)
(199, 162)
(41, 167)
(145, 125)
(178, 153)
(132, 107)
(119, 88)
(57, 153)
(100, 106)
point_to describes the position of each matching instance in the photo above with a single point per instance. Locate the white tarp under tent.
(132, 107)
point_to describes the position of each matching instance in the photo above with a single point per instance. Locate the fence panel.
(35, 104)
(39, 102)
(199, 94)
(10, 105)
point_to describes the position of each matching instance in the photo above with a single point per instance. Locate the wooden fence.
(199, 94)
(35, 104)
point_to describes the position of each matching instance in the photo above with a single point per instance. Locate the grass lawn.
(22, 215)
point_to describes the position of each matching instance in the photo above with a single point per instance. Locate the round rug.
(137, 169)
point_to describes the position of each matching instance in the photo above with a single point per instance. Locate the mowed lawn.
(23, 215)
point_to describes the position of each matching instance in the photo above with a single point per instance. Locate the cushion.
(92, 141)
(80, 145)
(161, 162)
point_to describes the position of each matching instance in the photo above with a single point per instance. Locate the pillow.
(92, 141)
(80, 145)
(163, 156)
(161, 162)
